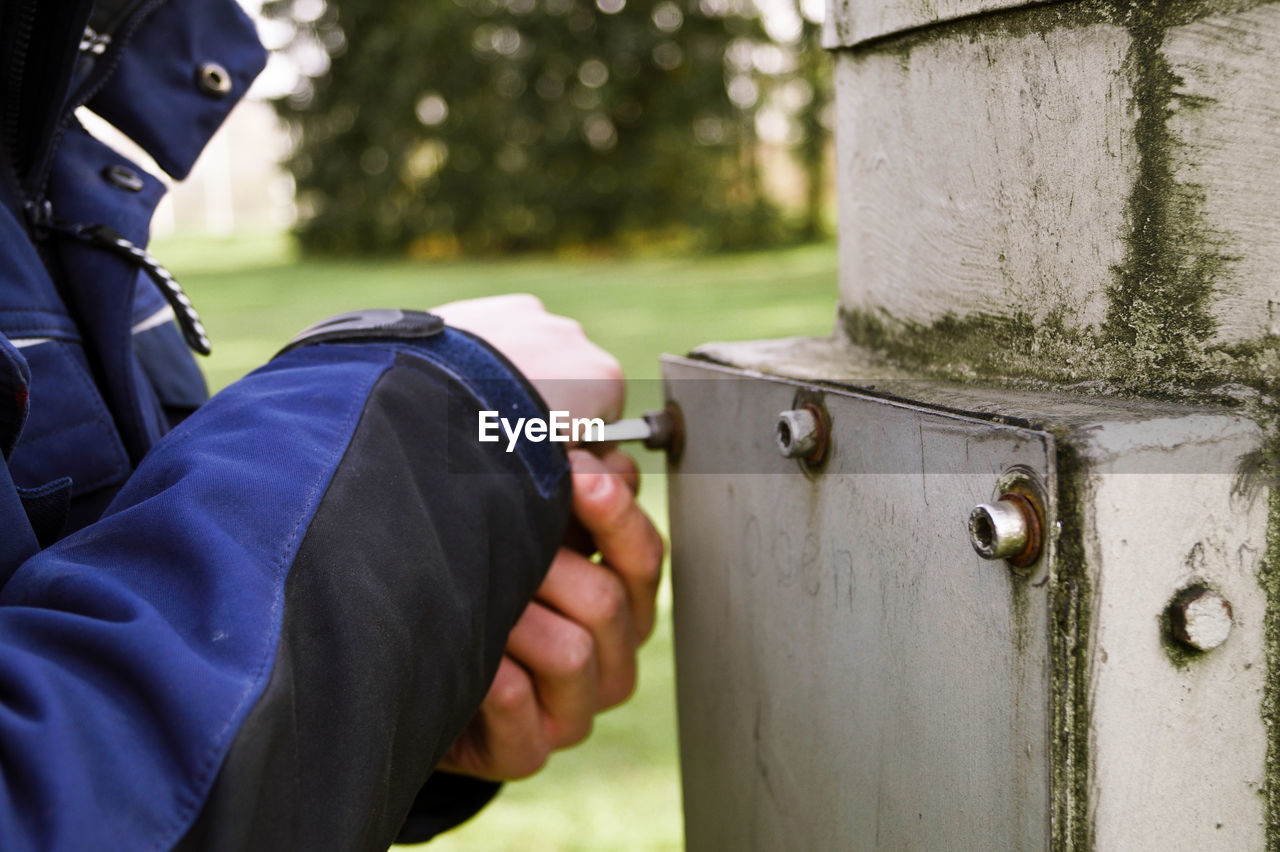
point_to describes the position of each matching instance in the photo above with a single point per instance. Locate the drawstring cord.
(107, 238)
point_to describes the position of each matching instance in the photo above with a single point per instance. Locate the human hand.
(573, 651)
(569, 371)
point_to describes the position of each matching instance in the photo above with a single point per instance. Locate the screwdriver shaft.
(659, 430)
(631, 429)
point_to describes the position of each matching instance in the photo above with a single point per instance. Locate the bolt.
(663, 429)
(804, 432)
(1008, 528)
(799, 433)
(1200, 618)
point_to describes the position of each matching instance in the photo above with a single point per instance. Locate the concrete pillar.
(1059, 243)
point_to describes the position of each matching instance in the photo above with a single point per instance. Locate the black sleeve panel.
(397, 610)
(445, 801)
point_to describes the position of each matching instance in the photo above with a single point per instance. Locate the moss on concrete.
(1158, 321)
(1269, 579)
(1018, 348)
(1069, 602)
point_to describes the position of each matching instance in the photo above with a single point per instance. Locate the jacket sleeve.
(286, 616)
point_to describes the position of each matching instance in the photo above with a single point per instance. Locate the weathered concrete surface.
(1101, 173)
(837, 361)
(1178, 748)
(851, 22)
(1226, 123)
(984, 174)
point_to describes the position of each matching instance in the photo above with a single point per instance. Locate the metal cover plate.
(851, 675)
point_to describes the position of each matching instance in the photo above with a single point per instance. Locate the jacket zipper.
(14, 79)
(89, 88)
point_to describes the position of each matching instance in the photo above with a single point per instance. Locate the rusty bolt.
(799, 433)
(1008, 528)
(1200, 618)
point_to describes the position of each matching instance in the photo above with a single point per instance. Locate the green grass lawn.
(620, 790)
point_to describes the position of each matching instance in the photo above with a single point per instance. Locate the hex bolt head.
(999, 530)
(798, 432)
(1200, 618)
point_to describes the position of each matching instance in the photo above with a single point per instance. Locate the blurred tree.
(506, 125)
(795, 112)
(813, 115)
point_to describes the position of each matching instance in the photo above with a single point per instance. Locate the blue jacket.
(256, 621)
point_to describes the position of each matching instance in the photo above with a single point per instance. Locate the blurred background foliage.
(499, 126)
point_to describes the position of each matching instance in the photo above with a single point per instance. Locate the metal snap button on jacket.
(123, 178)
(214, 80)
